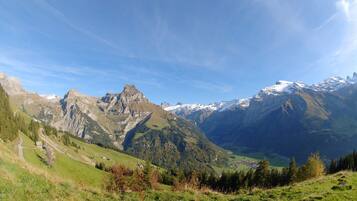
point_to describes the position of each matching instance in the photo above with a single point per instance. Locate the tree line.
(262, 177)
(123, 179)
(8, 125)
(348, 162)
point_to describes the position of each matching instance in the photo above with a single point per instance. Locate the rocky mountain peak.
(353, 78)
(72, 93)
(131, 94)
(11, 85)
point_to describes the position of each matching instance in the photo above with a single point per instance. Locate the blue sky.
(188, 51)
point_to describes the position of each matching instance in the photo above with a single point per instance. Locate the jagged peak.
(130, 88)
(131, 93)
(72, 93)
(353, 78)
(11, 85)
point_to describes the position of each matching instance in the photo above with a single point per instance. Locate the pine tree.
(333, 167)
(261, 175)
(148, 174)
(34, 128)
(8, 127)
(292, 171)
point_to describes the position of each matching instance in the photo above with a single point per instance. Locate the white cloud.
(349, 44)
(344, 6)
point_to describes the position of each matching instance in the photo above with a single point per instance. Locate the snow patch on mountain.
(191, 107)
(334, 83)
(280, 87)
(219, 106)
(331, 84)
(50, 97)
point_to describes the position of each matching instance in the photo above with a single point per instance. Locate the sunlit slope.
(340, 186)
(75, 164)
(29, 180)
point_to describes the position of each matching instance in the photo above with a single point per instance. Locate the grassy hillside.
(28, 180)
(340, 186)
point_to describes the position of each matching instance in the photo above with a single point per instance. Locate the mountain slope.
(126, 121)
(291, 119)
(178, 144)
(21, 180)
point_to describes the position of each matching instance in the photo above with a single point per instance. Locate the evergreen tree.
(333, 167)
(148, 174)
(261, 175)
(34, 128)
(66, 140)
(292, 171)
(8, 127)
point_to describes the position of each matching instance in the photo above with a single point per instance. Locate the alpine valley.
(291, 119)
(123, 147)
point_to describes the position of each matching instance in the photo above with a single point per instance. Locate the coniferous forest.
(8, 126)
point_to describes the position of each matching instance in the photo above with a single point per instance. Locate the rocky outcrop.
(11, 85)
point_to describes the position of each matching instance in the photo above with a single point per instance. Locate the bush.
(123, 179)
(100, 166)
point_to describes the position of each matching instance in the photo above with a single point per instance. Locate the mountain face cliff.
(289, 118)
(126, 121)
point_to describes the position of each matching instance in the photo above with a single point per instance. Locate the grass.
(32, 180)
(324, 188)
(107, 156)
(237, 163)
(156, 121)
(72, 178)
(274, 159)
(64, 167)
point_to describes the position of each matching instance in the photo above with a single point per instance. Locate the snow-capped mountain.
(287, 118)
(281, 87)
(334, 83)
(219, 106)
(192, 107)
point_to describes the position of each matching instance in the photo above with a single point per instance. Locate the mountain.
(291, 119)
(125, 120)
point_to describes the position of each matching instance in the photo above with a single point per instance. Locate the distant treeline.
(348, 162)
(263, 176)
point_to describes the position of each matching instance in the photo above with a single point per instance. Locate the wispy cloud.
(64, 19)
(342, 59)
(326, 22)
(349, 44)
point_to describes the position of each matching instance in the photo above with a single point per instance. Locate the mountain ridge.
(108, 120)
(282, 86)
(290, 119)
